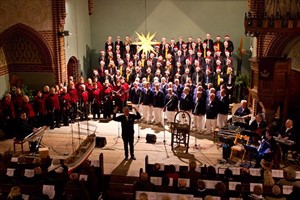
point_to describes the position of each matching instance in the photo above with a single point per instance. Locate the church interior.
(55, 45)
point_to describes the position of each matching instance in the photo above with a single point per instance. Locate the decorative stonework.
(24, 46)
(21, 50)
(35, 13)
(295, 54)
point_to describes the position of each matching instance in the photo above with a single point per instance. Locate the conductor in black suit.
(127, 123)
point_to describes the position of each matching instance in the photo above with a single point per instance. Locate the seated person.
(257, 193)
(243, 111)
(144, 183)
(228, 175)
(201, 189)
(258, 127)
(164, 187)
(182, 187)
(276, 194)
(173, 174)
(290, 179)
(266, 148)
(24, 129)
(287, 133)
(221, 191)
(192, 174)
(268, 178)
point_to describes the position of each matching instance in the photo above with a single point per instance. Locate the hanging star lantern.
(145, 43)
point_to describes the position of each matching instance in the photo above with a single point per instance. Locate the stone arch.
(36, 38)
(277, 46)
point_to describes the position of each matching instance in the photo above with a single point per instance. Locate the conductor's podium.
(180, 130)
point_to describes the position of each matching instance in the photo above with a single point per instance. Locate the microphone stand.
(139, 120)
(164, 118)
(139, 102)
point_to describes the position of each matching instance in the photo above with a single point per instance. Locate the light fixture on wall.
(64, 33)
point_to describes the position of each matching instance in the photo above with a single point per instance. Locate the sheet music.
(210, 184)
(198, 198)
(29, 173)
(216, 198)
(25, 196)
(10, 172)
(150, 195)
(176, 168)
(238, 119)
(95, 163)
(14, 159)
(297, 174)
(198, 169)
(277, 173)
(156, 180)
(162, 195)
(235, 170)
(254, 184)
(171, 182)
(255, 171)
(186, 180)
(287, 189)
(232, 185)
(222, 170)
(83, 177)
(49, 190)
(162, 167)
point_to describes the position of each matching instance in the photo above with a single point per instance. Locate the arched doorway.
(73, 67)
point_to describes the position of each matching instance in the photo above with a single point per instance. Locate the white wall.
(4, 84)
(78, 24)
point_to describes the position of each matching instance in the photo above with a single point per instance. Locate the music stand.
(251, 149)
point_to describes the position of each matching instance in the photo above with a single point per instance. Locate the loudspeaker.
(101, 142)
(151, 138)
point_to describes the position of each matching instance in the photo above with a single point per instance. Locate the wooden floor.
(60, 144)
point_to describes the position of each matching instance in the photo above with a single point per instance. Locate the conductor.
(127, 122)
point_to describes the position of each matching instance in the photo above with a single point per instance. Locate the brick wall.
(50, 44)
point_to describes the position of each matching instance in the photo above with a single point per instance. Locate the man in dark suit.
(24, 129)
(211, 113)
(127, 123)
(230, 43)
(209, 42)
(223, 109)
(258, 126)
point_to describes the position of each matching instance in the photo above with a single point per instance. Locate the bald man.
(287, 133)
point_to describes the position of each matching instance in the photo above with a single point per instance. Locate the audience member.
(192, 174)
(15, 194)
(221, 191)
(173, 174)
(228, 175)
(201, 189)
(268, 178)
(257, 193)
(144, 183)
(164, 187)
(290, 179)
(276, 194)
